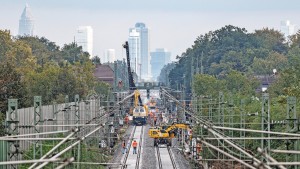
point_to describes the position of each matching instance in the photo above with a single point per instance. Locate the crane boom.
(132, 86)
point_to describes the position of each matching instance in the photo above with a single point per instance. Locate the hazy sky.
(174, 24)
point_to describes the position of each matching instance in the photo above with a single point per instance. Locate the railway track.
(132, 161)
(165, 158)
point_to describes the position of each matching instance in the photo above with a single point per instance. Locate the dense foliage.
(236, 62)
(31, 66)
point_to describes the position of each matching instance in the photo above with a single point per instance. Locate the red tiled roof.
(104, 73)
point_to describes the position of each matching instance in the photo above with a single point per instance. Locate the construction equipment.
(164, 134)
(139, 111)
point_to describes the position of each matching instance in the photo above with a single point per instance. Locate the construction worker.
(134, 145)
(124, 147)
(154, 120)
(199, 149)
(126, 119)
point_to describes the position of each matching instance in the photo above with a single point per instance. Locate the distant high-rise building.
(139, 50)
(84, 38)
(134, 50)
(159, 58)
(109, 56)
(287, 28)
(26, 22)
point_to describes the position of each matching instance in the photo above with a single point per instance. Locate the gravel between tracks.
(148, 156)
(179, 157)
(118, 149)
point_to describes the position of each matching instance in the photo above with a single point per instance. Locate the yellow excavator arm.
(158, 132)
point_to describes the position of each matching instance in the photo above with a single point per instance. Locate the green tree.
(207, 85)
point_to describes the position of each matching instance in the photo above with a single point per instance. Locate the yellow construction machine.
(164, 134)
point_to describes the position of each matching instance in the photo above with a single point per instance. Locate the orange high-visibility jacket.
(134, 144)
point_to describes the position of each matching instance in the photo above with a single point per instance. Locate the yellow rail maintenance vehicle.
(164, 134)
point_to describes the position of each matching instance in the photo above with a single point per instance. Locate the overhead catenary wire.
(256, 131)
(55, 147)
(69, 147)
(65, 163)
(28, 161)
(206, 124)
(270, 158)
(35, 134)
(228, 155)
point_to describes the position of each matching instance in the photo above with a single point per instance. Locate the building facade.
(134, 50)
(109, 56)
(287, 28)
(84, 38)
(26, 22)
(159, 58)
(139, 50)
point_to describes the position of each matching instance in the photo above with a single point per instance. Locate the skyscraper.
(109, 56)
(134, 50)
(26, 22)
(84, 38)
(139, 44)
(287, 28)
(159, 58)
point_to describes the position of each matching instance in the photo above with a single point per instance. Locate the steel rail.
(172, 157)
(206, 124)
(128, 150)
(158, 157)
(137, 164)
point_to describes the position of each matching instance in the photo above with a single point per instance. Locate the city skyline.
(174, 25)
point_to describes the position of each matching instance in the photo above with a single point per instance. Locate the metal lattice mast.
(291, 118)
(242, 125)
(230, 114)
(66, 113)
(77, 122)
(221, 109)
(38, 122)
(210, 113)
(13, 129)
(265, 121)
(221, 120)
(54, 110)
